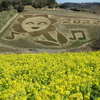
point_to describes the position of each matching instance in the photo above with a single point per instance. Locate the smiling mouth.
(34, 27)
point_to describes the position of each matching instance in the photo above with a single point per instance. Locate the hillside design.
(45, 31)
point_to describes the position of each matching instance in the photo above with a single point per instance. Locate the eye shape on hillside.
(37, 23)
(30, 23)
(42, 23)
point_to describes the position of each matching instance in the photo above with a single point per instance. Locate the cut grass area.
(77, 44)
(57, 35)
(65, 13)
(47, 43)
(61, 38)
(75, 37)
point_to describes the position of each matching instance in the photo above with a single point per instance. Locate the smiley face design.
(35, 24)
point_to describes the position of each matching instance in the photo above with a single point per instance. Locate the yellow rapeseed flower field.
(44, 76)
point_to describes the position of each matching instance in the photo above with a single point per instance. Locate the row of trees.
(19, 4)
(37, 3)
(95, 9)
(43, 3)
(6, 5)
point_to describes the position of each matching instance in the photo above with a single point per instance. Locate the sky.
(79, 1)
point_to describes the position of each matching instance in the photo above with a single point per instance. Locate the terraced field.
(49, 30)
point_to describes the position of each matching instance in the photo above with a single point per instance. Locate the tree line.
(19, 4)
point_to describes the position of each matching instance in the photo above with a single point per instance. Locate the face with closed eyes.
(35, 24)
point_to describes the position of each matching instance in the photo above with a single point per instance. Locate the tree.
(39, 4)
(44, 2)
(5, 4)
(27, 2)
(95, 9)
(35, 5)
(56, 5)
(20, 8)
(63, 6)
(51, 3)
(95, 44)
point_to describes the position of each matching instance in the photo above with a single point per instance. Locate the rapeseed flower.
(44, 76)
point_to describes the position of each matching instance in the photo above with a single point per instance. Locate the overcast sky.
(63, 1)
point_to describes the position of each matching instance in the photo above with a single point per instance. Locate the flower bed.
(67, 76)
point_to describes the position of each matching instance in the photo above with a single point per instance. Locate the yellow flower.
(24, 98)
(77, 96)
(88, 94)
(38, 98)
(60, 90)
(87, 97)
(19, 80)
(66, 99)
(67, 92)
(16, 98)
(1, 82)
(77, 88)
(57, 97)
(98, 98)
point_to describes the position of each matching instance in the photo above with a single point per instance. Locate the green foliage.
(5, 16)
(56, 5)
(63, 6)
(27, 2)
(39, 4)
(35, 5)
(95, 92)
(5, 4)
(43, 3)
(96, 44)
(52, 3)
(20, 8)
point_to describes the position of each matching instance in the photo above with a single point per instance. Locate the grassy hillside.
(39, 29)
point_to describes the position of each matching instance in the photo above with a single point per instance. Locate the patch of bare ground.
(7, 49)
(95, 45)
(11, 49)
(90, 46)
(84, 48)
